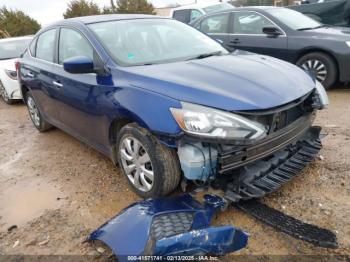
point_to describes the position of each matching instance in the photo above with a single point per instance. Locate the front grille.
(281, 117)
(285, 125)
(232, 159)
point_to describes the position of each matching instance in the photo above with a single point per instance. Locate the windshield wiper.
(201, 56)
(310, 28)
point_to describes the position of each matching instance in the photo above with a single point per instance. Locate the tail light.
(17, 65)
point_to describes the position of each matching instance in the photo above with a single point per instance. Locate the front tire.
(151, 168)
(322, 66)
(35, 114)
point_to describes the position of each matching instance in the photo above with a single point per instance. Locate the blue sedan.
(167, 103)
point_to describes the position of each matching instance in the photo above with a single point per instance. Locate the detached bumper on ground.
(170, 227)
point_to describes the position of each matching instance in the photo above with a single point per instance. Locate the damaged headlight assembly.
(208, 122)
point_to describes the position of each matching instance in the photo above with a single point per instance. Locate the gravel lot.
(57, 190)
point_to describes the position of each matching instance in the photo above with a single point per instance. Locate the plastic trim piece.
(265, 176)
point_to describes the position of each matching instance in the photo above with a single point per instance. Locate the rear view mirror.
(79, 65)
(272, 31)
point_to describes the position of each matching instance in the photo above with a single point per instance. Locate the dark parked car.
(284, 34)
(336, 12)
(165, 101)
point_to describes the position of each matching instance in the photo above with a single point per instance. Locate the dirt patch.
(57, 190)
(25, 201)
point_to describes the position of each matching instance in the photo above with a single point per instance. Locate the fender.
(137, 105)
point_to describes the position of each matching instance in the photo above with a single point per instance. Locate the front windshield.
(217, 8)
(294, 19)
(150, 41)
(12, 48)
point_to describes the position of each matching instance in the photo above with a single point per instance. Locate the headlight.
(348, 43)
(209, 122)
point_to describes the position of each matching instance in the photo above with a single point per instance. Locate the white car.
(10, 50)
(188, 13)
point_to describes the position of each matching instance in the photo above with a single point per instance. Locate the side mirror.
(79, 65)
(272, 31)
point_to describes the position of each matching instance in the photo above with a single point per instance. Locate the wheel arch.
(24, 90)
(148, 109)
(114, 128)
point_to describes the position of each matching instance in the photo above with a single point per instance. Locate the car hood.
(336, 33)
(240, 81)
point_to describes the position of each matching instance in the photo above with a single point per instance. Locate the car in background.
(285, 34)
(10, 50)
(167, 102)
(334, 12)
(188, 13)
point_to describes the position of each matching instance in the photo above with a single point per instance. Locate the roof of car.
(200, 5)
(259, 7)
(16, 38)
(113, 17)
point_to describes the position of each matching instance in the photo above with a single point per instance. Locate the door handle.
(30, 74)
(235, 41)
(57, 84)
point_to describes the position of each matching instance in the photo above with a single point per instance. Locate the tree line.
(17, 23)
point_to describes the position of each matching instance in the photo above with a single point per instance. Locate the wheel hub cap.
(137, 164)
(317, 68)
(33, 111)
(3, 92)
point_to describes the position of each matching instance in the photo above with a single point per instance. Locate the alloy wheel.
(136, 164)
(33, 111)
(316, 67)
(3, 93)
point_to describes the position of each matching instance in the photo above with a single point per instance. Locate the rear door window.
(216, 24)
(45, 46)
(32, 47)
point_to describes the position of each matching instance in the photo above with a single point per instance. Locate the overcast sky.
(48, 11)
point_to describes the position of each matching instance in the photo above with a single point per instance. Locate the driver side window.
(72, 44)
(250, 23)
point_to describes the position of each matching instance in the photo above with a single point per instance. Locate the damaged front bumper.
(246, 172)
(268, 174)
(170, 227)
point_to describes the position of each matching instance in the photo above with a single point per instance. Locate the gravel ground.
(56, 190)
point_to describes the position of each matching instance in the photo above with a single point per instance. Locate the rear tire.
(5, 96)
(322, 66)
(35, 114)
(151, 168)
